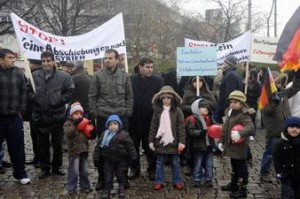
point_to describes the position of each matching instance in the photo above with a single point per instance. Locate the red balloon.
(214, 131)
(87, 131)
(238, 127)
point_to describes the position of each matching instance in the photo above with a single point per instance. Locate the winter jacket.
(120, 150)
(111, 93)
(144, 88)
(274, 114)
(195, 125)
(190, 95)
(77, 141)
(253, 93)
(177, 123)
(12, 91)
(233, 117)
(50, 97)
(231, 81)
(286, 157)
(82, 84)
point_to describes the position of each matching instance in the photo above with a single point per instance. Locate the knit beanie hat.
(76, 106)
(237, 95)
(291, 121)
(231, 60)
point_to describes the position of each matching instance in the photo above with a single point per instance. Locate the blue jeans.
(267, 157)
(160, 168)
(203, 159)
(11, 129)
(78, 166)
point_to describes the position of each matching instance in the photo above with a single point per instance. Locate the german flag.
(288, 47)
(268, 89)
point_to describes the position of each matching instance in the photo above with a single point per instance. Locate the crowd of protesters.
(164, 115)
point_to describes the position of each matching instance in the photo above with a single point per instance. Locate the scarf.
(164, 131)
(108, 135)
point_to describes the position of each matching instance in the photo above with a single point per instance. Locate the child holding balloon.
(234, 141)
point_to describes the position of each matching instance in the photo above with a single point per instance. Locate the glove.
(276, 98)
(88, 131)
(151, 146)
(77, 121)
(235, 136)
(180, 148)
(81, 126)
(221, 147)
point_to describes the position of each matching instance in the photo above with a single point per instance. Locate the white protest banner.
(239, 47)
(200, 61)
(263, 49)
(91, 45)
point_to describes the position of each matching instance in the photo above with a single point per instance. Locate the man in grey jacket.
(110, 93)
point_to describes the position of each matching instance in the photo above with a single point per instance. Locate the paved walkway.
(54, 187)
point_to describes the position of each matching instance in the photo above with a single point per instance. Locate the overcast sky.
(285, 9)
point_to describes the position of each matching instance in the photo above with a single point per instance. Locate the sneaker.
(178, 186)
(158, 186)
(43, 174)
(266, 178)
(24, 181)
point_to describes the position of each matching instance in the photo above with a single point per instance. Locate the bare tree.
(65, 17)
(8, 6)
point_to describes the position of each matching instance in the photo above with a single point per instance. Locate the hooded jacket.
(190, 95)
(120, 150)
(198, 126)
(177, 122)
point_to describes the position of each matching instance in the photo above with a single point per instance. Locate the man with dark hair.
(12, 105)
(110, 93)
(144, 86)
(53, 89)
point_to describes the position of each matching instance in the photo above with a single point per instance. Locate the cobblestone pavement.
(54, 187)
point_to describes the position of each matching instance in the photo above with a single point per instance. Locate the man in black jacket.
(53, 90)
(144, 86)
(12, 105)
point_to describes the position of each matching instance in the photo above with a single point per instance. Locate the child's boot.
(242, 192)
(105, 194)
(122, 193)
(233, 185)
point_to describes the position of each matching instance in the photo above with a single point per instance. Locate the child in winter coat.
(77, 131)
(286, 159)
(116, 149)
(201, 146)
(232, 145)
(167, 134)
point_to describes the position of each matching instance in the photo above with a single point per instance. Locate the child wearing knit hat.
(234, 143)
(286, 158)
(78, 131)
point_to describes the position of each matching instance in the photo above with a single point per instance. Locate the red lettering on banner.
(29, 29)
(23, 28)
